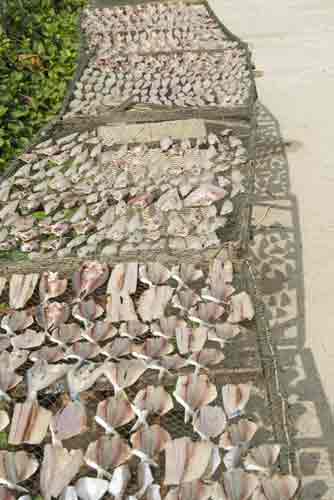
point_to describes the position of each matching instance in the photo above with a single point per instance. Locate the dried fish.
(207, 313)
(241, 308)
(87, 311)
(52, 315)
(204, 196)
(29, 423)
(238, 435)
(153, 302)
(16, 321)
(223, 332)
(148, 442)
(195, 490)
(8, 377)
(118, 348)
(6, 494)
(82, 377)
(120, 308)
(66, 334)
(114, 412)
(3, 282)
(41, 375)
(209, 422)
(193, 392)
(69, 422)
(205, 358)
(106, 454)
(153, 274)
(16, 467)
(152, 348)
(89, 488)
(17, 358)
(124, 373)
(238, 485)
(280, 487)
(83, 350)
(59, 468)
(99, 332)
(28, 340)
(91, 275)
(235, 398)
(133, 329)
(191, 339)
(119, 482)
(50, 286)
(49, 354)
(21, 288)
(123, 279)
(262, 458)
(186, 460)
(151, 400)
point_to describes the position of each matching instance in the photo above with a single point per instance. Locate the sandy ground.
(292, 43)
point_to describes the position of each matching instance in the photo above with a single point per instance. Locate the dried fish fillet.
(49, 354)
(120, 308)
(90, 276)
(153, 302)
(235, 398)
(51, 286)
(21, 288)
(152, 348)
(89, 488)
(153, 274)
(238, 435)
(114, 412)
(166, 327)
(8, 377)
(28, 340)
(262, 458)
(118, 348)
(69, 422)
(195, 490)
(191, 339)
(238, 485)
(100, 331)
(123, 279)
(153, 400)
(87, 311)
(82, 377)
(107, 453)
(280, 487)
(82, 350)
(29, 423)
(148, 442)
(58, 469)
(66, 334)
(16, 321)
(186, 461)
(41, 375)
(52, 315)
(16, 467)
(241, 308)
(193, 392)
(209, 422)
(133, 329)
(124, 373)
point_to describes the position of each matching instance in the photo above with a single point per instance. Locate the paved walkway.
(291, 43)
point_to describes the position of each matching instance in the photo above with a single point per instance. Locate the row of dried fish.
(155, 15)
(157, 40)
(83, 199)
(188, 79)
(186, 461)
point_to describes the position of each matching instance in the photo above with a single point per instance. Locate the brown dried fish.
(195, 490)
(21, 288)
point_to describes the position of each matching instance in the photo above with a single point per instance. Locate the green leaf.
(3, 440)
(3, 110)
(39, 215)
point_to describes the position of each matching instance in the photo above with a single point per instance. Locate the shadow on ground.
(277, 259)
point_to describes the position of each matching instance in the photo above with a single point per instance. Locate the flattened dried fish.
(235, 398)
(52, 315)
(90, 276)
(186, 460)
(118, 348)
(153, 302)
(66, 334)
(50, 286)
(238, 485)
(100, 331)
(241, 308)
(21, 288)
(123, 374)
(120, 308)
(151, 400)
(195, 490)
(153, 274)
(148, 442)
(123, 279)
(41, 375)
(87, 311)
(16, 467)
(8, 377)
(28, 340)
(280, 487)
(114, 412)
(209, 422)
(191, 339)
(16, 321)
(133, 329)
(194, 391)
(106, 454)
(238, 435)
(59, 467)
(223, 332)
(69, 422)
(83, 350)
(262, 458)
(29, 423)
(90, 488)
(82, 377)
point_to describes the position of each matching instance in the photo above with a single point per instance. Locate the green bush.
(39, 42)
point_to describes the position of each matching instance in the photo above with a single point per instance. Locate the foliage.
(39, 43)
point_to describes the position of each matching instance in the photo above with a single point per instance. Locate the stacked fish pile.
(80, 195)
(134, 329)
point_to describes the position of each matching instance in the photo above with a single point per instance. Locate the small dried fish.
(151, 400)
(238, 435)
(69, 422)
(153, 274)
(114, 412)
(50, 286)
(28, 340)
(52, 315)
(280, 487)
(59, 468)
(148, 442)
(133, 329)
(118, 348)
(123, 279)
(193, 392)
(186, 460)
(90, 276)
(16, 321)
(83, 350)
(87, 311)
(238, 485)
(29, 423)
(41, 375)
(191, 339)
(235, 398)
(123, 374)
(209, 422)
(153, 302)
(16, 467)
(21, 288)
(66, 334)
(262, 458)
(106, 454)
(49, 354)
(206, 313)
(152, 348)
(82, 377)
(241, 308)
(8, 377)
(90, 488)
(99, 332)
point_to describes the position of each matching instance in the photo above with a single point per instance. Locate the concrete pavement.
(292, 43)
